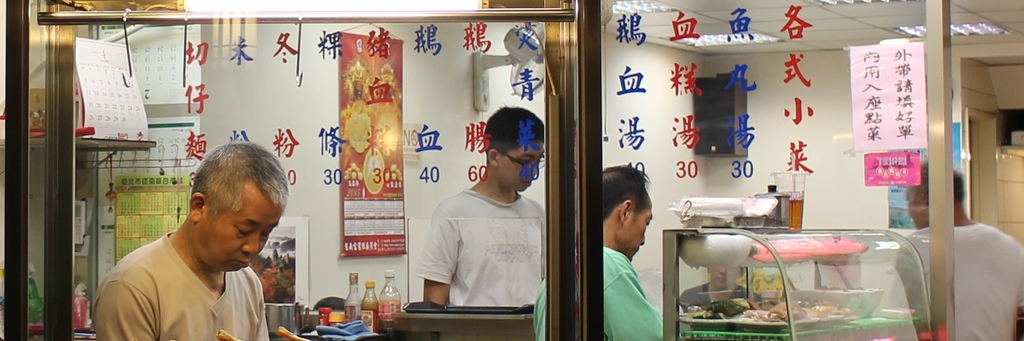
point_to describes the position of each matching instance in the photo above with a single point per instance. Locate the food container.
(286, 315)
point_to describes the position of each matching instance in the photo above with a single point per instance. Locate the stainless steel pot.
(286, 315)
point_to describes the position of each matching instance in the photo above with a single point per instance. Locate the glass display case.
(780, 284)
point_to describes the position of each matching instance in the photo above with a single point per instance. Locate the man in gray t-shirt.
(196, 281)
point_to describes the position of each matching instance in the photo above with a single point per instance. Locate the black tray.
(434, 308)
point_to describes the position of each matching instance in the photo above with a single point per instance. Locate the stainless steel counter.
(457, 327)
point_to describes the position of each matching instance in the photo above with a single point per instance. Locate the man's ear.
(625, 209)
(492, 157)
(197, 207)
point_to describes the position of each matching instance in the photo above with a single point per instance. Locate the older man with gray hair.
(195, 281)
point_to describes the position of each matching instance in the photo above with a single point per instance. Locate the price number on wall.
(333, 176)
(742, 169)
(687, 169)
(638, 166)
(292, 177)
(476, 173)
(430, 175)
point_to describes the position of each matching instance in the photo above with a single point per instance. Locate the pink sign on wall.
(888, 87)
(892, 169)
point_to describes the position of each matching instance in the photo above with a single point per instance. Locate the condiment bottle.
(370, 308)
(352, 303)
(390, 302)
(325, 316)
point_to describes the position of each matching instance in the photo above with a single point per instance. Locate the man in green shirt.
(626, 207)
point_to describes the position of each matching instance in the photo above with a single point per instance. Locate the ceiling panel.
(756, 48)
(663, 18)
(841, 44)
(887, 22)
(871, 33)
(728, 5)
(1000, 61)
(1004, 16)
(819, 25)
(879, 9)
(1016, 28)
(990, 5)
(997, 39)
(807, 12)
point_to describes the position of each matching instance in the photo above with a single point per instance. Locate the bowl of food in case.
(862, 302)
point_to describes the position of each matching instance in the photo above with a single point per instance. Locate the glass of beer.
(792, 183)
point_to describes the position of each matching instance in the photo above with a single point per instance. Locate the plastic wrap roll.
(715, 251)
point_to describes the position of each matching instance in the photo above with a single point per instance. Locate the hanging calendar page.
(373, 210)
(111, 105)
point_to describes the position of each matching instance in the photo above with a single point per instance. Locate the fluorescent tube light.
(728, 39)
(955, 29)
(640, 6)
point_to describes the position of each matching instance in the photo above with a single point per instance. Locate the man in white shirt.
(485, 244)
(988, 275)
(196, 281)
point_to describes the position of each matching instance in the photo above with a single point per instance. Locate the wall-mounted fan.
(525, 52)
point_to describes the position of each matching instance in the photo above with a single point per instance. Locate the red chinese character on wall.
(282, 46)
(691, 81)
(380, 44)
(380, 92)
(793, 70)
(687, 135)
(799, 112)
(475, 39)
(795, 26)
(797, 157)
(476, 138)
(197, 53)
(196, 146)
(285, 142)
(684, 28)
(199, 98)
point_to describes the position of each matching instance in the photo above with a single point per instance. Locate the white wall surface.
(835, 196)
(437, 93)
(261, 97)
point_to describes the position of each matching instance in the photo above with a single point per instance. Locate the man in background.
(626, 207)
(196, 281)
(717, 288)
(485, 244)
(988, 274)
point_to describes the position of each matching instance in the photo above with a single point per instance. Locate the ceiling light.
(728, 39)
(635, 6)
(851, 2)
(955, 29)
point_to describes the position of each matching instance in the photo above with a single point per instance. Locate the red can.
(325, 316)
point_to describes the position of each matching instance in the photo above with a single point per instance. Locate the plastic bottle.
(370, 307)
(390, 302)
(35, 302)
(352, 302)
(80, 308)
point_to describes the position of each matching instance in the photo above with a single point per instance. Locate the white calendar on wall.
(158, 55)
(114, 108)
